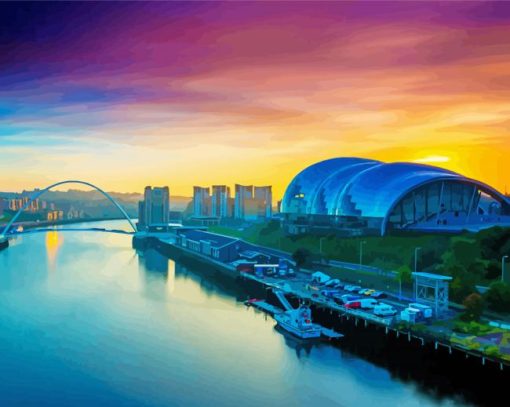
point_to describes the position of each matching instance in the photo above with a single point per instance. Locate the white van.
(368, 303)
(384, 310)
(426, 311)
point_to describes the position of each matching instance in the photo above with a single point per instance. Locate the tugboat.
(299, 322)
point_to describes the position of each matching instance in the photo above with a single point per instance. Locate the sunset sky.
(132, 94)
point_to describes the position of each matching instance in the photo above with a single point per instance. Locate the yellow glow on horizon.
(432, 159)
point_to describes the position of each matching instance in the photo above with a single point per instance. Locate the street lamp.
(503, 268)
(320, 244)
(361, 252)
(416, 250)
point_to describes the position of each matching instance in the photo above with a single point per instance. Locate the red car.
(353, 305)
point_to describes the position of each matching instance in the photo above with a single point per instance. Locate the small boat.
(299, 322)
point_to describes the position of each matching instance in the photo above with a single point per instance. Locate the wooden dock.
(264, 306)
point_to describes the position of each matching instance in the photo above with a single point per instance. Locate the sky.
(125, 95)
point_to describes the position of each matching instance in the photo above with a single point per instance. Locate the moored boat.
(299, 322)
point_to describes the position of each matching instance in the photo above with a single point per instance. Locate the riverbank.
(429, 361)
(438, 335)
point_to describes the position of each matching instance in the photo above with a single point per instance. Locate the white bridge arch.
(37, 194)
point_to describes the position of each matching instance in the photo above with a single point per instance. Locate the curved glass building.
(360, 196)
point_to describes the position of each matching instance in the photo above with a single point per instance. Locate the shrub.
(492, 350)
(474, 307)
(498, 297)
(302, 257)
(474, 346)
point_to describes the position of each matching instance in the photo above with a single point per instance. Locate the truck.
(425, 310)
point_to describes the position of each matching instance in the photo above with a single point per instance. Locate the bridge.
(37, 194)
(53, 229)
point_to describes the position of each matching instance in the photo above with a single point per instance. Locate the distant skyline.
(126, 95)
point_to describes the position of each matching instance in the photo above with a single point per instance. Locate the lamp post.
(361, 252)
(320, 244)
(503, 268)
(416, 250)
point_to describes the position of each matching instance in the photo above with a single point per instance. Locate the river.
(86, 320)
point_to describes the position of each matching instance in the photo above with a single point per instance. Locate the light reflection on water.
(116, 327)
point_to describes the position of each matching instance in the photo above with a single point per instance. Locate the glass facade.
(399, 194)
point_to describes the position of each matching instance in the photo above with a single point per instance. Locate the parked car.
(343, 299)
(384, 310)
(353, 305)
(352, 288)
(332, 283)
(369, 292)
(368, 303)
(329, 293)
(378, 294)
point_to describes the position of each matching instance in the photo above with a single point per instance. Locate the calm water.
(86, 320)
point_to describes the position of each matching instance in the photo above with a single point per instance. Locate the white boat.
(299, 322)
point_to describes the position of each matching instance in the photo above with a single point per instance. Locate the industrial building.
(356, 196)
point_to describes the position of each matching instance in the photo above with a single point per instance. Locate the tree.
(498, 297)
(301, 256)
(462, 286)
(404, 274)
(474, 307)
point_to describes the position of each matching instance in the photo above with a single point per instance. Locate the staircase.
(283, 300)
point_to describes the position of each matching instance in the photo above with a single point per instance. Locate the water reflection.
(53, 242)
(158, 273)
(303, 348)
